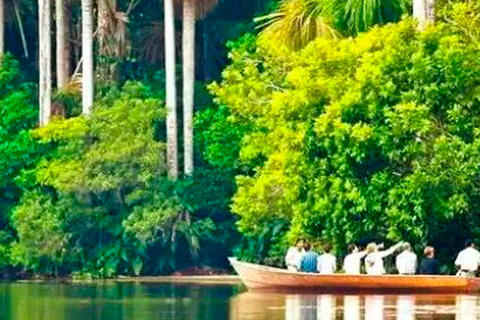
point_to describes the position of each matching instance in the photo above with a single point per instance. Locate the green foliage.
(100, 204)
(18, 114)
(297, 22)
(358, 139)
(39, 226)
(464, 18)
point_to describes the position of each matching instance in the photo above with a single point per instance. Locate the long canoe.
(256, 276)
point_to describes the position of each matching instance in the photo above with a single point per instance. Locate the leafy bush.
(18, 114)
(358, 139)
(100, 203)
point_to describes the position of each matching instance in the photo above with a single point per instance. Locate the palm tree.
(45, 61)
(2, 27)
(192, 10)
(113, 36)
(87, 55)
(171, 90)
(297, 22)
(63, 48)
(361, 15)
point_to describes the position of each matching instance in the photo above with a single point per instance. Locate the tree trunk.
(171, 91)
(430, 11)
(63, 48)
(45, 61)
(108, 46)
(102, 16)
(2, 27)
(424, 12)
(20, 28)
(188, 82)
(87, 54)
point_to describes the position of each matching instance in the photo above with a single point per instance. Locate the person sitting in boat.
(468, 260)
(429, 264)
(406, 261)
(374, 258)
(309, 259)
(294, 256)
(327, 263)
(352, 262)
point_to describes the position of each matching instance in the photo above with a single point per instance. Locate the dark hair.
(299, 240)
(351, 247)
(307, 246)
(327, 247)
(468, 243)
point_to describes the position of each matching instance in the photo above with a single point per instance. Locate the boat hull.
(274, 279)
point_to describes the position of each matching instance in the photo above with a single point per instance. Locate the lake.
(141, 301)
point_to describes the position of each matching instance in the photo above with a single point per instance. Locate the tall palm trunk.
(2, 27)
(424, 12)
(108, 46)
(87, 54)
(45, 61)
(63, 48)
(188, 82)
(171, 91)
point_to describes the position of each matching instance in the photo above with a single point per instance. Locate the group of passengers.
(301, 258)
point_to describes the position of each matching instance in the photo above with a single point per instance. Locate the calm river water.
(141, 301)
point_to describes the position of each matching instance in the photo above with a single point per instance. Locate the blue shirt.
(309, 262)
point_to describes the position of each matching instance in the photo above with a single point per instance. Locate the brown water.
(141, 301)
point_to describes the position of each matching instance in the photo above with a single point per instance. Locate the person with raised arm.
(374, 259)
(352, 262)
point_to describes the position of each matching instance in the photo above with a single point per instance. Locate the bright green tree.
(360, 139)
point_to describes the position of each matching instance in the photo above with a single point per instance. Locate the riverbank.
(200, 280)
(206, 280)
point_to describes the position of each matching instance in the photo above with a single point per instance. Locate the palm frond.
(113, 36)
(297, 22)
(361, 15)
(150, 43)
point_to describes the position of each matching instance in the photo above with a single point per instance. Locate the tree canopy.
(359, 139)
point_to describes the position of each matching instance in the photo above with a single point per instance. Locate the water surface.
(141, 301)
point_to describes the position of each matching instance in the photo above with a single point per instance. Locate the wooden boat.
(274, 279)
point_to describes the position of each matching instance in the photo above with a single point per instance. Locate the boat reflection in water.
(351, 308)
(260, 305)
(405, 307)
(467, 308)
(310, 307)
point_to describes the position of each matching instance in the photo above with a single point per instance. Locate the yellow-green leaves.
(368, 138)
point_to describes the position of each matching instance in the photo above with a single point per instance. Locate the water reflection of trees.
(108, 300)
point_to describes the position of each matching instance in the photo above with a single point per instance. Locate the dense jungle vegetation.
(337, 121)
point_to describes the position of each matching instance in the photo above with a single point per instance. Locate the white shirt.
(327, 263)
(351, 264)
(406, 262)
(468, 259)
(374, 261)
(294, 257)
